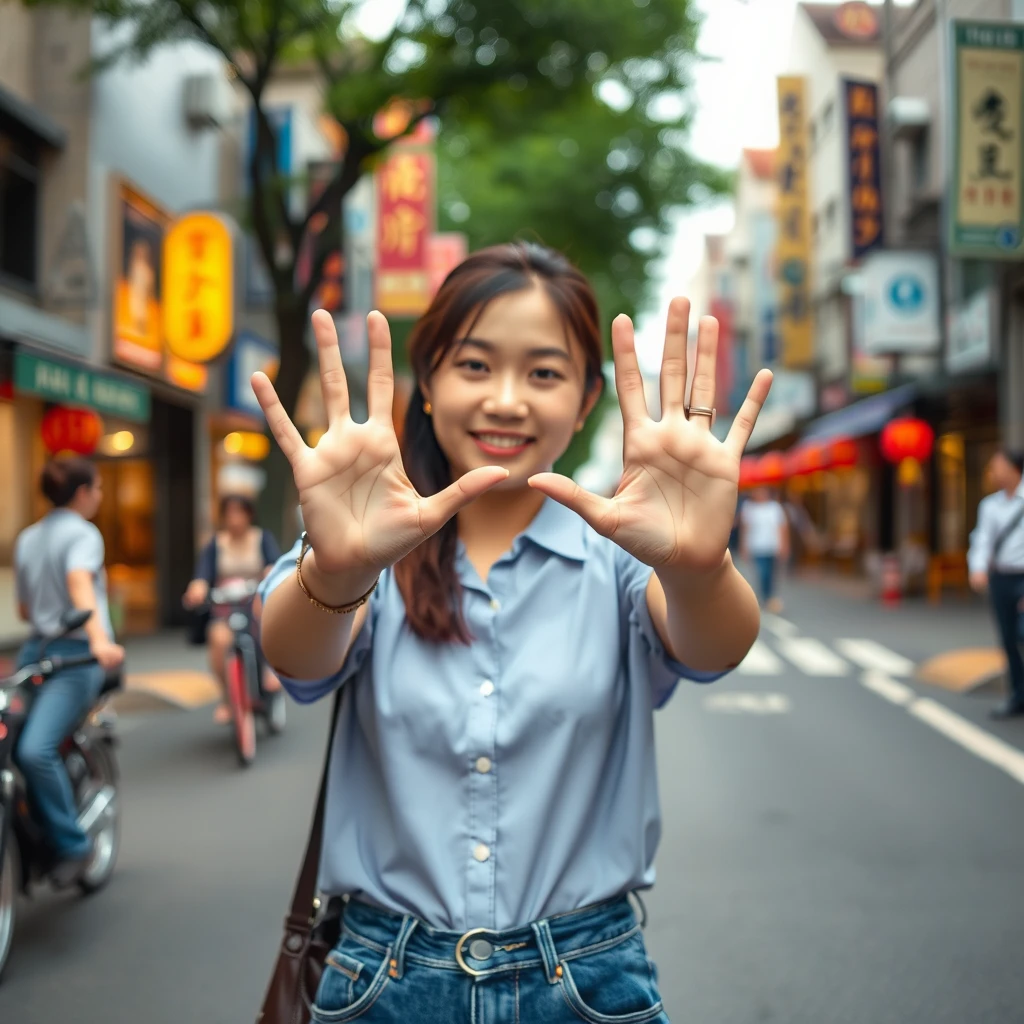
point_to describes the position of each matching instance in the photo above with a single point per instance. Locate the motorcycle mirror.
(75, 618)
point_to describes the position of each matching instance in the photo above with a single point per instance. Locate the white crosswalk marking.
(749, 703)
(760, 661)
(872, 655)
(880, 683)
(777, 625)
(811, 656)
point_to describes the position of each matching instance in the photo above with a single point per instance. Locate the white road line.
(749, 703)
(760, 661)
(778, 626)
(880, 683)
(872, 655)
(812, 657)
(970, 737)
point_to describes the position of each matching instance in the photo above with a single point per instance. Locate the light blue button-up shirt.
(996, 513)
(491, 785)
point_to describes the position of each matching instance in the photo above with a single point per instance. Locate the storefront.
(49, 406)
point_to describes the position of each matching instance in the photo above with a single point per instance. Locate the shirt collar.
(559, 530)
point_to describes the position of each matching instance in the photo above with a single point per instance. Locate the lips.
(499, 445)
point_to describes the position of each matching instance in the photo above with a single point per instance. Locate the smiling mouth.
(511, 443)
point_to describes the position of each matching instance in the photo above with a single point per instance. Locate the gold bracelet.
(343, 609)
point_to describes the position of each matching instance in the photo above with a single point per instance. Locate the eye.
(547, 373)
(473, 365)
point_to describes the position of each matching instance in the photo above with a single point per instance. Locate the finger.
(380, 382)
(289, 440)
(333, 382)
(743, 424)
(436, 510)
(629, 384)
(702, 392)
(673, 358)
(599, 512)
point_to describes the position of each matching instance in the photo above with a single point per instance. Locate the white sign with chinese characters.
(900, 303)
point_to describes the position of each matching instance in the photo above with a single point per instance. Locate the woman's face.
(511, 391)
(236, 518)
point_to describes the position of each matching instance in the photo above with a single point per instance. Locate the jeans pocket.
(354, 977)
(613, 986)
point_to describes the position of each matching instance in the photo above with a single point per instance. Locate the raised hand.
(676, 502)
(358, 507)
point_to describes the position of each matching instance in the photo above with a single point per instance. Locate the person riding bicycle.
(59, 566)
(238, 550)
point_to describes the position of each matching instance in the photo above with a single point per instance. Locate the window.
(19, 201)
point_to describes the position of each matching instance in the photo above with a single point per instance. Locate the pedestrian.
(765, 542)
(59, 567)
(995, 560)
(239, 550)
(502, 638)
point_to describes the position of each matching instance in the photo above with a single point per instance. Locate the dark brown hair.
(426, 576)
(61, 479)
(243, 501)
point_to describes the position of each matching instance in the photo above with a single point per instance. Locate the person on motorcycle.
(238, 550)
(59, 566)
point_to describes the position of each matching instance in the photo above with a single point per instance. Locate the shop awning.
(867, 416)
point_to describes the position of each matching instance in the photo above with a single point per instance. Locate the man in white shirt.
(764, 540)
(996, 563)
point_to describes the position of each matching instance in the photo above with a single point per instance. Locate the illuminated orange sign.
(198, 287)
(856, 20)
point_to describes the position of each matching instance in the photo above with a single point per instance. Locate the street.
(837, 847)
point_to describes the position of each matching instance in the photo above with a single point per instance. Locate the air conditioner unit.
(908, 116)
(207, 100)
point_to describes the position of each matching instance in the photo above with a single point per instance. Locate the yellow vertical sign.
(793, 246)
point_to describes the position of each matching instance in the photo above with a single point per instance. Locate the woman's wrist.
(336, 589)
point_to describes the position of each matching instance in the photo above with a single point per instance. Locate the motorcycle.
(26, 858)
(244, 671)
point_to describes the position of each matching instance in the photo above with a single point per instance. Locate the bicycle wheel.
(241, 710)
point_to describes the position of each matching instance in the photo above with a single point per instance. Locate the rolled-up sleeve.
(645, 651)
(306, 691)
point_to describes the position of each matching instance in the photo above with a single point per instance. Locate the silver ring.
(700, 410)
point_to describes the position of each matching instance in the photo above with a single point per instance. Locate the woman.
(502, 642)
(764, 539)
(238, 550)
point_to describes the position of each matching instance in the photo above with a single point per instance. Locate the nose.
(506, 397)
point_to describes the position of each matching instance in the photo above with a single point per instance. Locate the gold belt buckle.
(467, 937)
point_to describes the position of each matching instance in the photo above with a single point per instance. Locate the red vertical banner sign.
(445, 252)
(405, 222)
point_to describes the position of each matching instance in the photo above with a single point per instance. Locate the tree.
(504, 62)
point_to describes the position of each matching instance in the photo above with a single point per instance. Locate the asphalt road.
(829, 855)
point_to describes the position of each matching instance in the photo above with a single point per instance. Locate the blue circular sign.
(906, 293)
(1008, 236)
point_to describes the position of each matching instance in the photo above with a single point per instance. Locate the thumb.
(596, 511)
(436, 510)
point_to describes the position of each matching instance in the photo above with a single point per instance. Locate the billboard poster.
(793, 245)
(986, 212)
(863, 165)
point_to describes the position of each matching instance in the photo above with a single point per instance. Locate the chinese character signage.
(445, 251)
(988, 80)
(793, 244)
(138, 335)
(199, 287)
(405, 222)
(863, 167)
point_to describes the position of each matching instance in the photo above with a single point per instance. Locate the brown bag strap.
(300, 917)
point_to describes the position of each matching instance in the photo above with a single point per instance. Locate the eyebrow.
(489, 346)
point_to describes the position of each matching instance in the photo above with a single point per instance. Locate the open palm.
(359, 509)
(676, 501)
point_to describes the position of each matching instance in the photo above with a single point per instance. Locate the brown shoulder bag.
(307, 938)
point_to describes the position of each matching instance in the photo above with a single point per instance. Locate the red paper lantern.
(749, 471)
(906, 438)
(810, 457)
(842, 453)
(71, 430)
(773, 468)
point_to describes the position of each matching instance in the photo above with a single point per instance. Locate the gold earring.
(428, 408)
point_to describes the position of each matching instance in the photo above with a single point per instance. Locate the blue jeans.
(765, 565)
(588, 965)
(1005, 591)
(60, 704)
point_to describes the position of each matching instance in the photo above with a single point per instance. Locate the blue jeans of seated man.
(588, 965)
(60, 704)
(765, 565)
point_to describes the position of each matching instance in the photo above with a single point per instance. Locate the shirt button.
(487, 687)
(495, 604)
(482, 852)
(483, 765)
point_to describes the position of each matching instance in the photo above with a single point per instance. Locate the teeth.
(501, 440)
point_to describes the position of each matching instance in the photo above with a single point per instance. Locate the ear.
(591, 398)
